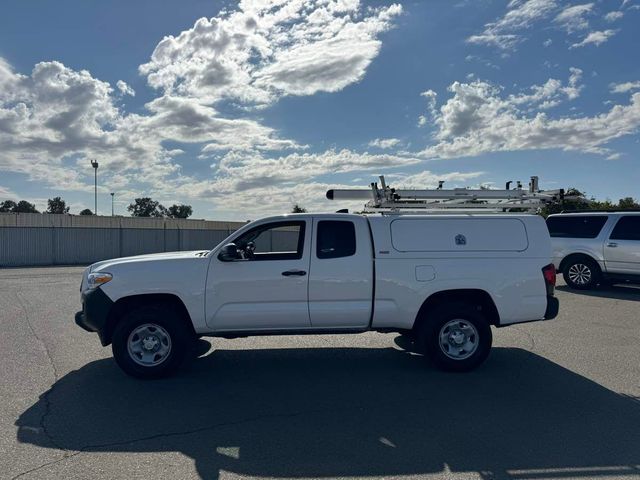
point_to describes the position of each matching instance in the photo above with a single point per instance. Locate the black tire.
(581, 273)
(433, 325)
(170, 323)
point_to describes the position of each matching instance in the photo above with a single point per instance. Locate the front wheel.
(456, 338)
(150, 342)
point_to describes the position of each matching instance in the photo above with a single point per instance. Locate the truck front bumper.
(96, 306)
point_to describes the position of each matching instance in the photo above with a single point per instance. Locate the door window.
(273, 241)
(336, 238)
(627, 228)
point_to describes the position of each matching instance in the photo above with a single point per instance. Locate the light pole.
(112, 194)
(94, 164)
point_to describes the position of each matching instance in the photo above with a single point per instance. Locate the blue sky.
(250, 107)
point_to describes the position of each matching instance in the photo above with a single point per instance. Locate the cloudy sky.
(244, 108)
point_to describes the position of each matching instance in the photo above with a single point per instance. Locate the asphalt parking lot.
(558, 399)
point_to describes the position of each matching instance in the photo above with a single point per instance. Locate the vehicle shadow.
(617, 291)
(337, 412)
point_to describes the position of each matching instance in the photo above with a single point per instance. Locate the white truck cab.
(443, 279)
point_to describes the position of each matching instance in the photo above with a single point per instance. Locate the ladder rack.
(385, 199)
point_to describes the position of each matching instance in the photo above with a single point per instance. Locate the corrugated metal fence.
(29, 239)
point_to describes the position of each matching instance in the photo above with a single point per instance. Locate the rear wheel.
(581, 273)
(150, 342)
(455, 338)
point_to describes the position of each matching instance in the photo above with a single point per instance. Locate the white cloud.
(491, 39)
(573, 89)
(613, 16)
(50, 115)
(267, 49)
(279, 182)
(280, 197)
(431, 97)
(7, 194)
(428, 179)
(508, 30)
(125, 89)
(523, 13)
(547, 42)
(384, 142)
(596, 38)
(53, 120)
(56, 118)
(477, 119)
(243, 171)
(187, 120)
(624, 87)
(573, 18)
(551, 93)
(520, 15)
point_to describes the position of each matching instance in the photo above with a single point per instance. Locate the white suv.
(592, 247)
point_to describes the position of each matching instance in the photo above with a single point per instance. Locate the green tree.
(180, 211)
(146, 207)
(86, 211)
(25, 207)
(298, 209)
(578, 201)
(57, 205)
(7, 206)
(628, 203)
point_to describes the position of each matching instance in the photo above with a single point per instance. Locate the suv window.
(336, 238)
(578, 226)
(275, 241)
(627, 228)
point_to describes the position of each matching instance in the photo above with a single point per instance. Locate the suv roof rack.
(384, 199)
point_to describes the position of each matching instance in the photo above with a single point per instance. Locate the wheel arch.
(573, 256)
(479, 298)
(126, 304)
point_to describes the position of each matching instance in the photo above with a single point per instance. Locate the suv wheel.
(581, 273)
(455, 338)
(150, 342)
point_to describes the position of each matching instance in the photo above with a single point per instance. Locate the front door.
(622, 249)
(266, 287)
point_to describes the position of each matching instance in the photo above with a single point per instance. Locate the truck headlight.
(94, 280)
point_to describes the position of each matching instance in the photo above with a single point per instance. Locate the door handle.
(612, 244)
(292, 273)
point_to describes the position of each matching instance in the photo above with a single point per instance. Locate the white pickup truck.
(443, 279)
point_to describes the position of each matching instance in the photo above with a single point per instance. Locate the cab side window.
(273, 241)
(336, 239)
(627, 228)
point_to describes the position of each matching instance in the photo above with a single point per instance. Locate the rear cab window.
(576, 226)
(336, 239)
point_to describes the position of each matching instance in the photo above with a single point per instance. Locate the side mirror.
(228, 253)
